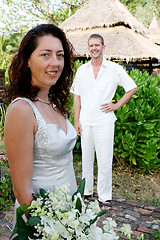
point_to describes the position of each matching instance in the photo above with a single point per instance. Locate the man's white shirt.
(95, 92)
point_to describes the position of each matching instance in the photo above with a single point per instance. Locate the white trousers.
(98, 139)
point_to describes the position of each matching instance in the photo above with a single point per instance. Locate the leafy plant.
(156, 234)
(8, 46)
(55, 215)
(144, 11)
(77, 148)
(2, 119)
(6, 193)
(137, 130)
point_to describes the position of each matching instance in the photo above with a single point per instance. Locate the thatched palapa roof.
(154, 23)
(122, 32)
(102, 13)
(154, 32)
(154, 35)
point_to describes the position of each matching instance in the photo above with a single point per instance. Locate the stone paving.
(6, 218)
(142, 218)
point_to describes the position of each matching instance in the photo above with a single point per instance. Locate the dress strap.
(35, 110)
(42, 135)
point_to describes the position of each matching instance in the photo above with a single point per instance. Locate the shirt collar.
(104, 63)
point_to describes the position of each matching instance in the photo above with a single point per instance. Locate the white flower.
(55, 236)
(60, 219)
(84, 218)
(78, 195)
(82, 236)
(94, 206)
(35, 203)
(65, 188)
(126, 229)
(78, 231)
(95, 232)
(109, 236)
(109, 224)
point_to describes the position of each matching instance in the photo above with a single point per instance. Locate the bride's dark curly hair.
(20, 74)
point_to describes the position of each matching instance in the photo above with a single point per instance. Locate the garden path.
(142, 218)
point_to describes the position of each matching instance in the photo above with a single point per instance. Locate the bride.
(39, 138)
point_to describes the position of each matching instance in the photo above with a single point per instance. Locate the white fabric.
(99, 139)
(97, 126)
(95, 92)
(52, 154)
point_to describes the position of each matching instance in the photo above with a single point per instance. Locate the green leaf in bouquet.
(79, 205)
(80, 189)
(43, 193)
(98, 215)
(21, 230)
(33, 221)
(96, 218)
(35, 195)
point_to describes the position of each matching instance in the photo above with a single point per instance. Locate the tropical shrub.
(137, 130)
(8, 45)
(2, 119)
(156, 234)
(77, 148)
(6, 193)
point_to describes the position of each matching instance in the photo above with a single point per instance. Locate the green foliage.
(2, 147)
(3, 57)
(137, 130)
(144, 11)
(26, 230)
(17, 14)
(22, 229)
(68, 8)
(77, 64)
(6, 193)
(12, 43)
(156, 234)
(80, 188)
(20, 12)
(77, 148)
(2, 119)
(8, 45)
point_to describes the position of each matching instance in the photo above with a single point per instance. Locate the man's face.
(96, 48)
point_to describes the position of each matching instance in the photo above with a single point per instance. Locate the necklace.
(48, 103)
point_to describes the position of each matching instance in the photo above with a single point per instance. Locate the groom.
(94, 87)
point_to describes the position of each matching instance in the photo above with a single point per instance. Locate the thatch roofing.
(154, 23)
(154, 32)
(121, 43)
(102, 13)
(123, 34)
(154, 35)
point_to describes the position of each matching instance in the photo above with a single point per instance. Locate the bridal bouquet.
(57, 216)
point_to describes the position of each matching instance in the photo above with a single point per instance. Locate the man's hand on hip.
(78, 128)
(108, 107)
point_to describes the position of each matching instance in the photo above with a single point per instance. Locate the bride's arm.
(19, 134)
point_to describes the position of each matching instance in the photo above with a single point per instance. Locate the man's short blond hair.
(96, 36)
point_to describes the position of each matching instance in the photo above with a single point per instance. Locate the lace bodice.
(52, 155)
(52, 151)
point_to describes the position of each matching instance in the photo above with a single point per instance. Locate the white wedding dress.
(52, 155)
